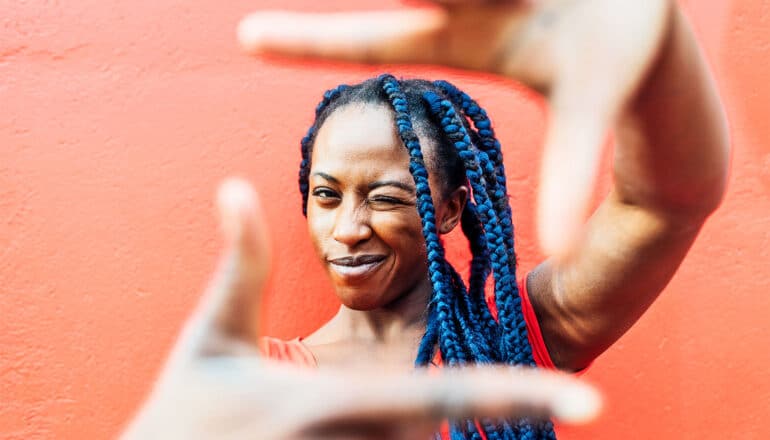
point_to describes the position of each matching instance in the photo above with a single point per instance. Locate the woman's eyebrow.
(374, 185)
(326, 176)
(406, 187)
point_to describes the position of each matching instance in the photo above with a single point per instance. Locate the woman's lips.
(356, 266)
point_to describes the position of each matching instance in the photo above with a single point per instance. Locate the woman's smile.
(356, 268)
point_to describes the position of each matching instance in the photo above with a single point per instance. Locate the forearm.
(670, 171)
(673, 147)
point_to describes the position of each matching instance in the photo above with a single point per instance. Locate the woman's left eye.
(385, 200)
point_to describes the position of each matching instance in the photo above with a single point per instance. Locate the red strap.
(535, 336)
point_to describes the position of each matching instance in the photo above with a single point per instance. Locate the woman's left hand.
(627, 65)
(588, 57)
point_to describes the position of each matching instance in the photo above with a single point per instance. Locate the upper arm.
(588, 301)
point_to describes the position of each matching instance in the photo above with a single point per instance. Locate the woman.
(631, 66)
(375, 225)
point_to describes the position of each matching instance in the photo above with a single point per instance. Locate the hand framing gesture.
(216, 386)
(588, 57)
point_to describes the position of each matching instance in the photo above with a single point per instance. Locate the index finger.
(473, 392)
(406, 36)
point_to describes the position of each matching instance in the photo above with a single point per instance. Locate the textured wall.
(117, 119)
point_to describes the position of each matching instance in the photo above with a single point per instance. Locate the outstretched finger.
(479, 392)
(408, 36)
(280, 400)
(225, 320)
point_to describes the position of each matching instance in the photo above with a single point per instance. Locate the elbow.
(710, 187)
(716, 174)
(693, 196)
(702, 185)
(707, 199)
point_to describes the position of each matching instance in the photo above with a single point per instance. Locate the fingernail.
(250, 33)
(577, 404)
(234, 198)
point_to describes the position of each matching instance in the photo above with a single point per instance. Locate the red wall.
(117, 119)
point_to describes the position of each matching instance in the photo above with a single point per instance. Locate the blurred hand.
(587, 56)
(216, 386)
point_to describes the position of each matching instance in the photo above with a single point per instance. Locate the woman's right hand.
(215, 385)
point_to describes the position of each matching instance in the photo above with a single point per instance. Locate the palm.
(215, 385)
(587, 56)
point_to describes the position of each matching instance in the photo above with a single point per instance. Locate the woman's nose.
(352, 224)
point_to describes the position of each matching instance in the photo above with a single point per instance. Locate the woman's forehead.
(359, 133)
(362, 133)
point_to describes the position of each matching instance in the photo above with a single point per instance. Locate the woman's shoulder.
(292, 350)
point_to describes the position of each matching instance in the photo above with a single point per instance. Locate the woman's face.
(362, 213)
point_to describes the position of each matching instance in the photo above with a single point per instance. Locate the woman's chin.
(361, 299)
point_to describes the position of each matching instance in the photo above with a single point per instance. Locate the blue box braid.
(467, 315)
(480, 269)
(495, 175)
(458, 319)
(481, 175)
(514, 342)
(449, 289)
(489, 144)
(450, 342)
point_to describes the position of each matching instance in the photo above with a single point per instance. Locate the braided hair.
(459, 321)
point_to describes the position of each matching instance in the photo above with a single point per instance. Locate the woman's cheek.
(401, 230)
(320, 224)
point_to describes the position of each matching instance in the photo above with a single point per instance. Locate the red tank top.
(296, 352)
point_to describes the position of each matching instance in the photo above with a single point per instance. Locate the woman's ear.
(453, 209)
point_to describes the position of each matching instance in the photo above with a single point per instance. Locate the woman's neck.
(401, 321)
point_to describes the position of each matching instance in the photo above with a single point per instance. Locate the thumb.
(576, 132)
(225, 320)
